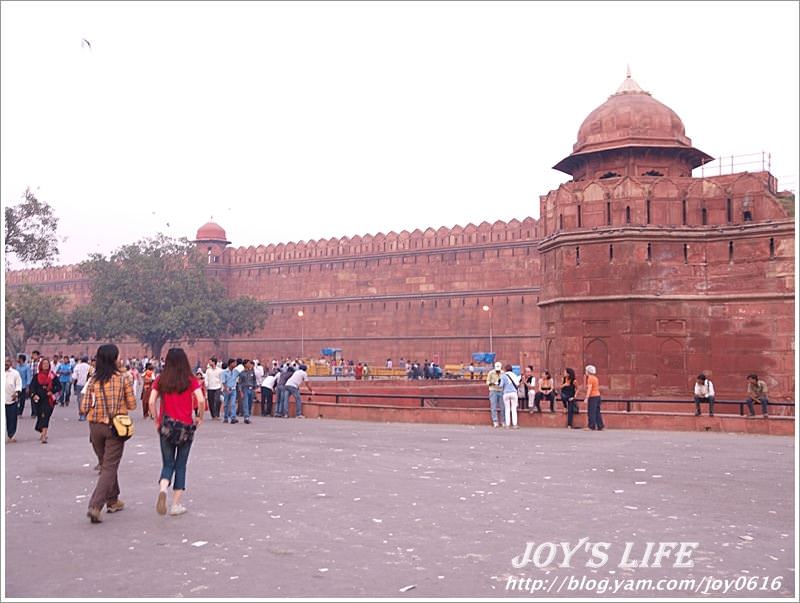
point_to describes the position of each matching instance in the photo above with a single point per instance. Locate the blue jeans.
(63, 396)
(230, 405)
(282, 407)
(173, 461)
(595, 418)
(496, 406)
(698, 400)
(764, 404)
(248, 395)
(298, 403)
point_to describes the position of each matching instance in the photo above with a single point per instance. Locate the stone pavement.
(320, 508)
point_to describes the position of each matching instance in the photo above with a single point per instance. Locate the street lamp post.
(489, 310)
(302, 334)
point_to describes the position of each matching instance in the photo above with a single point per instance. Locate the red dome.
(631, 118)
(627, 119)
(211, 231)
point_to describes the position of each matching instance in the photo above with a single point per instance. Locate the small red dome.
(211, 231)
(631, 118)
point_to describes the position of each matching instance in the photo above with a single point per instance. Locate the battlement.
(358, 245)
(40, 276)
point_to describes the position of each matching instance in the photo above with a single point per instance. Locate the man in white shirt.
(703, 392)
(13, 392)
(293, 384)
(267, 389)
(214, 387)
(80, 374)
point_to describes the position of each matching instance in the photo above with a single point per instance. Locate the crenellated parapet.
(367, 245)
(42, 276)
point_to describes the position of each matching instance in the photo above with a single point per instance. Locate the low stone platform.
(774, 425)
(314, 508)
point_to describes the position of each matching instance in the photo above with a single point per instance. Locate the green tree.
(156, 291)
(31, 315)
(31, 231)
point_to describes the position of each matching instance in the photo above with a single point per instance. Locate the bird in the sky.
(85, 43)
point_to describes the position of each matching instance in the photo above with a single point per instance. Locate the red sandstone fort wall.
(416, 295)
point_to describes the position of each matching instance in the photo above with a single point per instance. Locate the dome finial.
(629, 85)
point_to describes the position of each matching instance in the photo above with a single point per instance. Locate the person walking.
(229, 377)
(214, 387)
(13, 387)
(246, 383)
(45, 388)
(106, 394)
(80, 375)
(174, 393)
(24, 370)
(510, 384)
(495, 393)
(64, 372)
(593, 399)
(147, 385)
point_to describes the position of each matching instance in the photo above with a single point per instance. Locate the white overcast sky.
(298, 121)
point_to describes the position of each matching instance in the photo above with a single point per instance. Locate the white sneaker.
(178, 509)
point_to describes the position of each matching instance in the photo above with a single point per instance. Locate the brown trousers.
(109, 452)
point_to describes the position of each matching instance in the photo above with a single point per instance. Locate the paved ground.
(340, 509)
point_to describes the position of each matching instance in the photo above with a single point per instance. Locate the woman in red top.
(171, 402)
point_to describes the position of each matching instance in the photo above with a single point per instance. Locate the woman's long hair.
(106, 365)
(570, 376)
(177, 374)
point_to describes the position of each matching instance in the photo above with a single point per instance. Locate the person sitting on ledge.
(756, 392)
(703, 392)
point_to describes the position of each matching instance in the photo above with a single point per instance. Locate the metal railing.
(432, 400)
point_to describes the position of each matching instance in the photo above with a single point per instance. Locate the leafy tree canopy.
(31, 314)
(156, 290)
(31, 231)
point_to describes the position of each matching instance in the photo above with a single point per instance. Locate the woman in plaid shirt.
(106, 394)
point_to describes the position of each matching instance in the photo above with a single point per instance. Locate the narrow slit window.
(649, 252)
(772, 248)
(729, 210)
(685, 254)
(647, 208)
(730, 251)
(579, 216)
(610, 253)
(628, 214)
(683, 212)
(704, 216)
(577, 256)
(608, 213)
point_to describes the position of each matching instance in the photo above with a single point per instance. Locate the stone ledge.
(613, 419)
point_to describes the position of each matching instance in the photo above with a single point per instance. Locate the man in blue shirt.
(229, 377)
(64, 372)
(24, 370)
